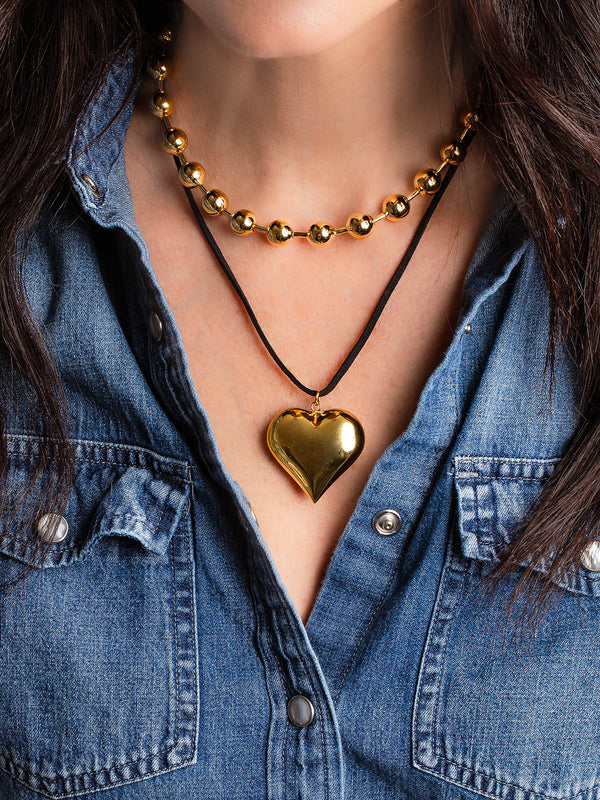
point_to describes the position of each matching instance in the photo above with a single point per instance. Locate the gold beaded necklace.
(314, 447)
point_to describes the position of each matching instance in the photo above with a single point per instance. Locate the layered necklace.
(314, 446)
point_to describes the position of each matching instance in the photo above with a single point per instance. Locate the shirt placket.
(304, 758)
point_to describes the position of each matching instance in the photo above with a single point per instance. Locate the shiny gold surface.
(360, 226)
(315, 447)
(161, 104)
(454, 152)
(470, 119)
(158, 68)
(396, 206)
(279, 232)
(214, 202)
(174, 141)
(320, 233)
(427, 181)
(243, 222)
(191, 174)
(165, 36)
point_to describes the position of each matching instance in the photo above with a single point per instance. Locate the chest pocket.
(98, 668)
(516, 719)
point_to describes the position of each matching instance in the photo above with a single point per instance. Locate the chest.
(241, 389)
(313, 306)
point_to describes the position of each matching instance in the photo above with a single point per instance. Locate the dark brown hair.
(53, 56)
(538, 64)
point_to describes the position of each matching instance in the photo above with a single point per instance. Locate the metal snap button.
(468, 328)
(300, 711)
(92, 184)
(387, 522)
(156, 326)
(590, 557)
(52, 528)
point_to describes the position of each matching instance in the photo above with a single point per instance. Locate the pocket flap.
(494, 496)
(117, 491)
(143, 507)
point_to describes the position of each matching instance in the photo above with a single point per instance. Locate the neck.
(328, 133)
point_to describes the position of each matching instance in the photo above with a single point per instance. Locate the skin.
(300, 28)
(308, 111)
(307, 88)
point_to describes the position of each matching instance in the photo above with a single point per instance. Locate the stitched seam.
(285, 734)
(160, 461)
(421, 678)
(366, 629)
(442, 657)
(84, 774)
(261, 655)
(506, 783)
(106, 462)
(176, 659)
(481, 479)
(509, 459)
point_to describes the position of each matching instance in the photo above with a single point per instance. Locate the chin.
(285, 28)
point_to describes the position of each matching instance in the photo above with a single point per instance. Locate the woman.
(201, 627)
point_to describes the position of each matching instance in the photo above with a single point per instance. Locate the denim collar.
(95, 157)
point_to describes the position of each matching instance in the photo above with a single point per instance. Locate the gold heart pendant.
(315, 447)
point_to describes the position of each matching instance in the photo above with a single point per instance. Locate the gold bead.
(279, 232)
(174, 141)
(320, 233)
(191, 174)
(161, 104)
(396, 206)
(158, 68)
(470, 119)
(427, 181)
(360, 226)
(215, 201)
(454, 152)
(243, 222)
(165, 36)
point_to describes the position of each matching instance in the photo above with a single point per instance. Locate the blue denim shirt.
(154, 656)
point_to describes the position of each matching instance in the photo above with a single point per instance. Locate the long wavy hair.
(538, 70)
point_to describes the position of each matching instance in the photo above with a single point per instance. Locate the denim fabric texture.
(154, 655)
